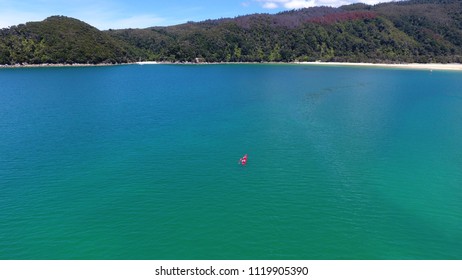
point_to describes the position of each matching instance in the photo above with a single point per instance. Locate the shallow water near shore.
(141, 162)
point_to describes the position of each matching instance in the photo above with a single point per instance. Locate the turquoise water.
(141, 162)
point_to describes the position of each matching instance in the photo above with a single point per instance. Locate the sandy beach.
(146, 62)
(421, 66)
(429, 66)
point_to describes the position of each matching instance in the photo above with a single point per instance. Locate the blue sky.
(105, 14)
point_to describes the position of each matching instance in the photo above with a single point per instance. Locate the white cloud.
(298, 4)
(270, 5)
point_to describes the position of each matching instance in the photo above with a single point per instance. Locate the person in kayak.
(243, 160)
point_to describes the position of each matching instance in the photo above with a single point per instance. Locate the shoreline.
(44, 65)
(413, 66)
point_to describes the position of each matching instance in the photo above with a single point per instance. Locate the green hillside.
(60, 39)
(410, 31)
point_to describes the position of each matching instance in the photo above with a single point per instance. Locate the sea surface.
(141, 162)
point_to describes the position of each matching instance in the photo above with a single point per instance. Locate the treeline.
(409, 31)
(361, 38)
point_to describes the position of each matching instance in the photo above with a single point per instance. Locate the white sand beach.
(421, 66)
(146, 62)
(429, 66)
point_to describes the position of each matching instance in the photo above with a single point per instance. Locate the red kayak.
(243, 160)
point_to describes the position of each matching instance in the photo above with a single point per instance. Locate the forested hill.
(410, 31)
(61, 39)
